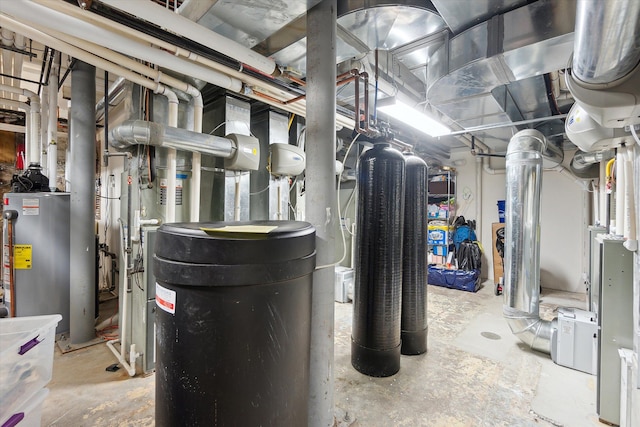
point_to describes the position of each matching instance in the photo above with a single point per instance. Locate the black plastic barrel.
(414, 258)
(233, 321)
(375, 339)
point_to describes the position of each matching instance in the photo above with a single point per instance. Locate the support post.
(321, 205)
(82, 177)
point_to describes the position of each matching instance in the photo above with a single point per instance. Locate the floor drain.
(490, 335)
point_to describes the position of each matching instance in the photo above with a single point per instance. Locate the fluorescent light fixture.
(412, 117)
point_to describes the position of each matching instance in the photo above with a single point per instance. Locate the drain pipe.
(196, 157)
(172, 163)
(522, 249)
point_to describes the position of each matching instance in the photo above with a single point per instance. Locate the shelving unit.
(440, 212)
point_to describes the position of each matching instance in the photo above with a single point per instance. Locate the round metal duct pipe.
(522, 241)
(375, 339)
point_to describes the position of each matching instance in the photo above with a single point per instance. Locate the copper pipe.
(352, 72)
(294, 79)
(297, 98)
(12, 279)
(345, 81)
(268, 97)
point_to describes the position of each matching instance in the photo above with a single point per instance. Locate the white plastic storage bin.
(26, 359)
(29, 414)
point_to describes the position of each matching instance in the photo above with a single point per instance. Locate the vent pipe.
(522, 242)
(134, 132)
(607, 40)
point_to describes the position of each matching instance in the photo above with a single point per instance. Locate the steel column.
(321, 205)
(82, 177)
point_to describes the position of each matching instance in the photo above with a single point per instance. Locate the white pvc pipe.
(620, 192)
(52, 128)
(80, 54)
(172, 167)
(15, 104)
(477, 198)
(602, 187)
(7, 59)
(44, 122)
(130, 367)
(629, 229)
(298, 108)
(44, 17)
(196, 160)
(33, 145)
(19, 43)
(187, 28)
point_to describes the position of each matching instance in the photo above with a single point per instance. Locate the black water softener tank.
(233, 323)
(375, 339)
(414, 258)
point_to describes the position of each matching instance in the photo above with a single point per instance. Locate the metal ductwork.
(607, 40)
(140, 132)
(522, 241)
(506, 50)
(241, 152)
(585, 165)
(605, 76)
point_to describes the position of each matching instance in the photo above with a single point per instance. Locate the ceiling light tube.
(411, 116)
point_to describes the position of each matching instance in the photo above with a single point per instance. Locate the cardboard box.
(498, 266)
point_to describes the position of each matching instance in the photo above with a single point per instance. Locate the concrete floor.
(474, 374)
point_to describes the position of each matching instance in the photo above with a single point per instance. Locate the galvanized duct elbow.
(522, 241)
(586, 165)
(139, 132)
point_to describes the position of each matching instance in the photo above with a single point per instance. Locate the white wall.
(562, 220)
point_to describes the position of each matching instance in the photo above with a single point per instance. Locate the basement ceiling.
(472, 63)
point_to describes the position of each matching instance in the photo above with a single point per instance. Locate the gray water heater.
(41, 247)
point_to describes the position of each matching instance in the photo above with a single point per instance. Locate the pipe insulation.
(33, 145)
(619, 192)
(629, 228)
(522, 241)
(52, 127)
(135, 132)
(46, 18)
(187, 28)
(80, 54)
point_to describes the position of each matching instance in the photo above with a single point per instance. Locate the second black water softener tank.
(375, 340)
(414, 256)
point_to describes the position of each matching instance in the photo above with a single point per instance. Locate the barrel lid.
(233, 243)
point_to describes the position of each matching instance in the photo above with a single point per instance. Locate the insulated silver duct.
(522, 241)
(607, 40)
(134, 132)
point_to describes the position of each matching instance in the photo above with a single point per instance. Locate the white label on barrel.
(166, 299)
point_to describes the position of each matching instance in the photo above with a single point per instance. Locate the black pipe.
(44, 61)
